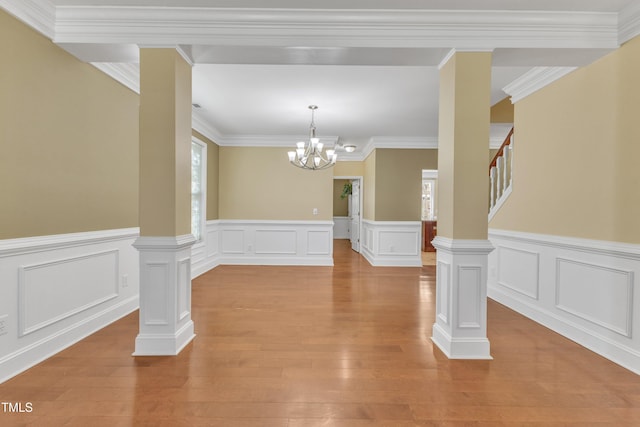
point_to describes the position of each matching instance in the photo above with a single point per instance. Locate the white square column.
(460, 330)
(165, 295)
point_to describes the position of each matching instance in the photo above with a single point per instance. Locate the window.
(429, 188)
(198, 188)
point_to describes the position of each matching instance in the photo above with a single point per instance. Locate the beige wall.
(348, 169)
(68, 141)
(213, 155)
(369, 187)
(259, 183)
(398, 189)
(463, 182)
(502, 112)
(583, 129)
(165, 143)
(340, 206)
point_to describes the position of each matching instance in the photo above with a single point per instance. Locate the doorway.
(429, 215)
(349, 226)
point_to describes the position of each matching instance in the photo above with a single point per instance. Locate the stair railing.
(500, 170)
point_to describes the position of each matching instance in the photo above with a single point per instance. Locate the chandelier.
(309, 155)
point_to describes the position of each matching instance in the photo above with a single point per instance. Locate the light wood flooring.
(318, 346)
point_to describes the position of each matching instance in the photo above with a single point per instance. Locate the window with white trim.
(198, 188)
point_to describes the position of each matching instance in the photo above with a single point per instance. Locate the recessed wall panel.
(469, 288)
(318, 242)
(599, 294)
(52, 291)
(276, 242)
(518, 271)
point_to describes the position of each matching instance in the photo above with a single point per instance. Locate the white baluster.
(499, 175)
(507, 167)
(492, 196)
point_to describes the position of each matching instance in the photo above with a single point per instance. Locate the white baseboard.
(391, 243)
(59, 289)
(582, 289)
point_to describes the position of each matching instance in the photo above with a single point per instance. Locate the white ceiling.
(370, 65)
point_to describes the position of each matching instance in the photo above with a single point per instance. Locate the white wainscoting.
(392, 243)
(582, 289)
(341, 227)
(56, 290)
(270, 242)
(205, 254)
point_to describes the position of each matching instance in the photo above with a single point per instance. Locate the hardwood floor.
(319, 346)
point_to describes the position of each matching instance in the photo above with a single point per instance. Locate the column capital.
(168, 243)
(463, 246)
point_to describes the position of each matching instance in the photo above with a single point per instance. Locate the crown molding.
(127, 74)
(341, 28)
(38, 14)
(534, 80)
(288, 141)
(453, 51)
(183, 50)
(200, 124)
(427, 142)
(629, 22)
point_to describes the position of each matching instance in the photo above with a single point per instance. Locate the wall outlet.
(125, 280)
(249, 248)
(392, 248)
(4, 328)
(315, 211)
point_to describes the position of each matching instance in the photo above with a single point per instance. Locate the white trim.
(453, 51)
(274, 242)
(534, 80)
(573, 277)
(405, 142)
(629, 22)
(126, 74)
(164, 243)
(429, 174)
(201, 124)
(460, 329)
(446, 58)
(463, 246)
(203, 188)
(61, 263)
(480, 29)
(600, 247)
(272, 140)
(26, 245)
(391, 243)
(38, 14)
(501, 200)
(26, 357)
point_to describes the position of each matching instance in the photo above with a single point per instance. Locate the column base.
(460, 330)
(461, 348)
(164, 344)
(165, 295)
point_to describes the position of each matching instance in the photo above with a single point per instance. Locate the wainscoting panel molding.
(341, 227)
(518, 270)
(71, 276)
(392, 243)
(56, 290)
(205, 254)
(273, 242)
(583, 289)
